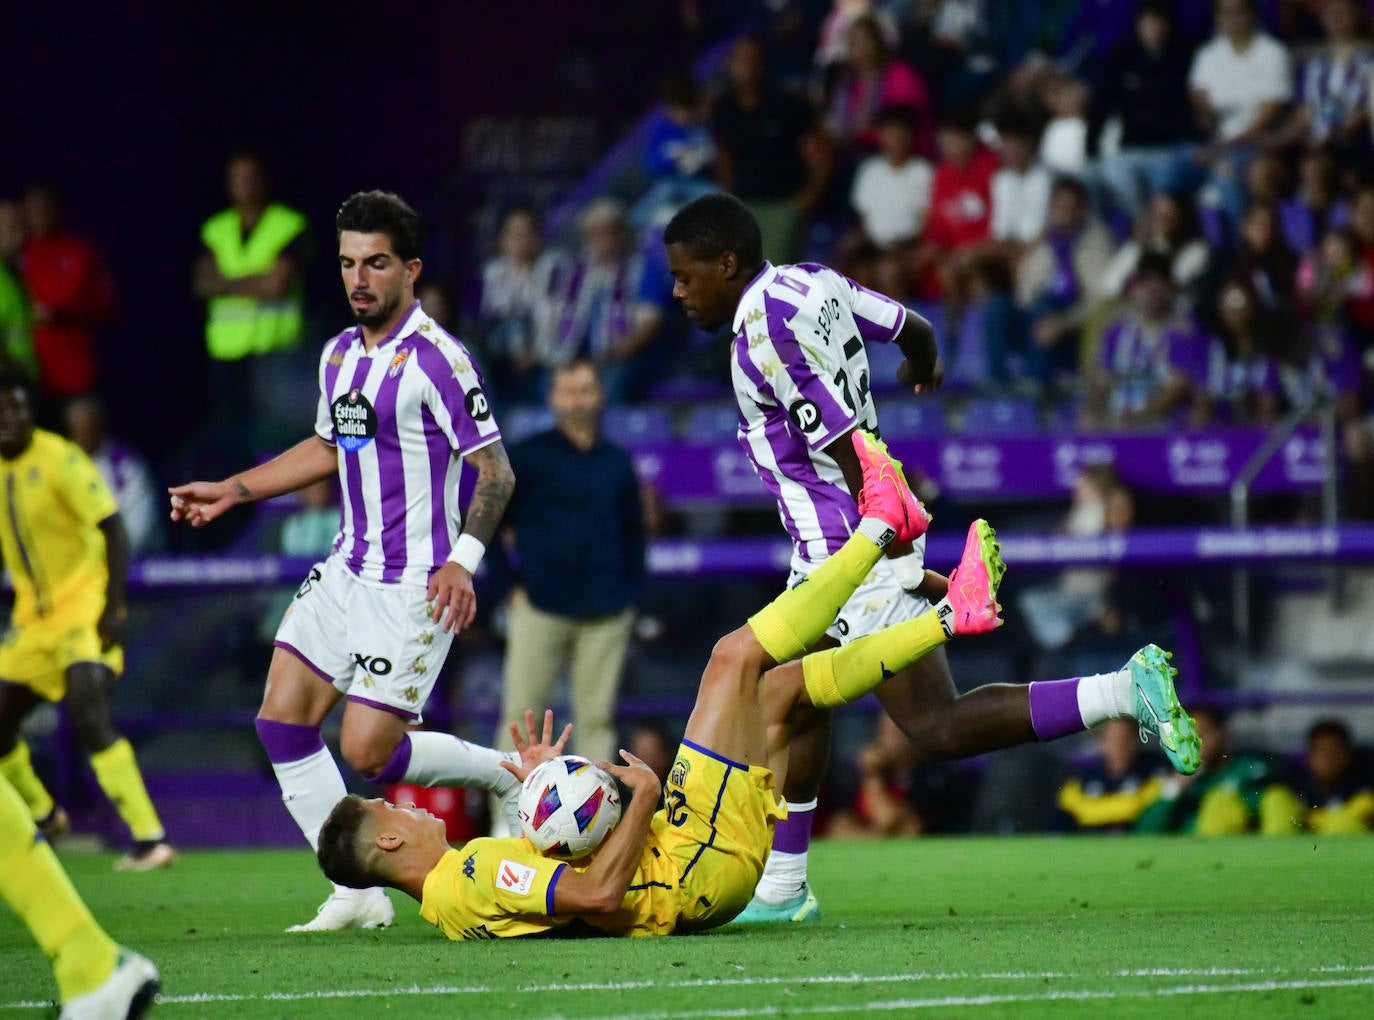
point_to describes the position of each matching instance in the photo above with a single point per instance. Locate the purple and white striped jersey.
(402, 417)
(801, 381)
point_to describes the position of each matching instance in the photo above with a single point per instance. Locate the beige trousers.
(539, 646)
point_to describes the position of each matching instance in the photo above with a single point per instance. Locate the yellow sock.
(118, 775)
(18, 770)
(33, 883)
(797, 618)
(838, 676)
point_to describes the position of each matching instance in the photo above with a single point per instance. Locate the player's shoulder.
(435, 347)
(53, 448)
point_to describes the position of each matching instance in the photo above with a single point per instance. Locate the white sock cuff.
(1105, 696)
(799, 807)
(880, 533)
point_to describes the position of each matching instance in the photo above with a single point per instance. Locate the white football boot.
(351, 908)
(126, 994)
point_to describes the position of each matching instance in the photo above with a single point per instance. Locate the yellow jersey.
(53, 499)
(702, 859)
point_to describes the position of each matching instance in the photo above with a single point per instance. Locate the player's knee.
(92, 726)
(368, 756)
(737, 656)
(933, 737)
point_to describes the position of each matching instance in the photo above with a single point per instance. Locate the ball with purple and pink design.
(568, 806)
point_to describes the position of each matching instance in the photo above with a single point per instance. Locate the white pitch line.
(738, 982)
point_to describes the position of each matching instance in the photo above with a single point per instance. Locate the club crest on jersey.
(355, 422)
(398, 362)
(678, 776)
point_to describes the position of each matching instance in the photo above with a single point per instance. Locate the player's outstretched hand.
(535, 750)
(199, 503)
(451, 589)
(921, 375)
(636, 774)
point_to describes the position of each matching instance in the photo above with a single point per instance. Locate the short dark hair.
(1156, 264)
(383, 212)
(1330, 728)
(1069, 183)
(14, 376)
(713, 224)
(896, 115)
(578, 362)
(342, 857)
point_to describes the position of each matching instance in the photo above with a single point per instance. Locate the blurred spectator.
(1150, 355)
(1145, 93)
(833, 40)
(434, 302)
(960, 216)
(1334, 793)
(250, 277)
(579, 542)
(892, 188)
(141, 505)
(880, 807)
(1020, 189)
(1101, 505)
(1335, 287)
(679, 154)
(1059, 281)
(1316, 205)
(1240, 81)
(1333, 94)
(1064, 142)
(1169, 228)
(517, 285)
(1240, 380)
(605, 307)
(649, 742)
(771, 152)
(1264, 258)
(70, 294)
(1109, 793)
(990, 342)
(958, 46)
(871, 79)
(16, 325)
(1224, 797)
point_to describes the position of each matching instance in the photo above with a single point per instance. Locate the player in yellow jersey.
(693, 864)
(66, 552)
(96, 979)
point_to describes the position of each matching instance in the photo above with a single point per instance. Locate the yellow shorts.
(37, 652)
(720, 816)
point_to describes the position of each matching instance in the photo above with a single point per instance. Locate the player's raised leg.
(95, 977)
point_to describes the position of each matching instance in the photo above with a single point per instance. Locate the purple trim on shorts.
(286, 742)
(301, 655)
(403, 713)
(712, 754)
(395, 769)
(548, 897)
(792, 835)
(1054, 708)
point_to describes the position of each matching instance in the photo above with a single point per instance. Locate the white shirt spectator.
(892, 200)
(1237, 84)
(1064, 146)
(1020, 201)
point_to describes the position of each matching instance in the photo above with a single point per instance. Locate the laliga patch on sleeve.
(516, 878)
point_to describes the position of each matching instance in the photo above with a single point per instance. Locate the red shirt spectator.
(71, 293)
(961, 194)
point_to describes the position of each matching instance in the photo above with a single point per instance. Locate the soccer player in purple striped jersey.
(800, 370)
(401, 409)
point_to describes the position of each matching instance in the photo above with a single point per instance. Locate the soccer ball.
(568, 806)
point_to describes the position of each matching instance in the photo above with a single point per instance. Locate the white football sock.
(1106, 696)
(310, 787)
(784, 873)
(441, 759)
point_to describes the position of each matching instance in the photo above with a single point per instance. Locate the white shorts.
(879, 602)
(374, 643)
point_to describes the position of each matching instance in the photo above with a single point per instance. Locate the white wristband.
(467, 553)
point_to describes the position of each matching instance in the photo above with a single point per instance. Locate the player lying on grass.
(694, 864)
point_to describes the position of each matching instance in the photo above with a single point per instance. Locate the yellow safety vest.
(240, 326)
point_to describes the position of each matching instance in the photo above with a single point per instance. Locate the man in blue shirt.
(579, 540)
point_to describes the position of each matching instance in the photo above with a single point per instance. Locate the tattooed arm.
(308, 461)
(451, 586)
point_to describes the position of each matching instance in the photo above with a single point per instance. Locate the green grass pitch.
(1087, 927)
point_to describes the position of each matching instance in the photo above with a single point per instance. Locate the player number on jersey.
(675, 806)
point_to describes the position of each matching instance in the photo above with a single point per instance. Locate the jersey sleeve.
(78, 480)
(523, 882)
(324, 418)
(802, 369)
(456, 398)
(879, 317)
